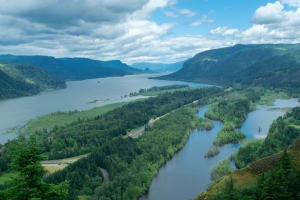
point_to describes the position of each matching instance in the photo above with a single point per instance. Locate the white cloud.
(186, 12)
(198, 22)
(295, 3)
(179, 13)
(223, 31)
(170, 14)
(123, 30)
(271, 13)
(256, 31)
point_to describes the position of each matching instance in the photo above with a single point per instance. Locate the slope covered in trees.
(266, 169)
(268, 65)
(73, 68)
(23, 80)
(131, 163)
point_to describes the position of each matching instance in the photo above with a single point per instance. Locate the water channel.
(187, 174)
(17, 112)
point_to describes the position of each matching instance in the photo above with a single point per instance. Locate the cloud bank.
(124, 30)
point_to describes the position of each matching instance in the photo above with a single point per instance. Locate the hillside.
(24, 80)
(73, 68)
(159, 67)
(246, 64)
(260, 159)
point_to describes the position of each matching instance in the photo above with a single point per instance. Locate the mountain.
(74, 68)
(23, 80)
(246, 64)
(159, 67)
(117, 64)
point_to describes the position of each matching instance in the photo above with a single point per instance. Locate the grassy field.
(269, 97)
(51, 168)
(6, 177)
(62, 118)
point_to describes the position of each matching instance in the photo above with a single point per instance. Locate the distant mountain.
(23, 80)
(74, 68)
(273, 65)
(117, 64)
(159, 67)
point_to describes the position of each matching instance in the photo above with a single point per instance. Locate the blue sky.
(142, 30)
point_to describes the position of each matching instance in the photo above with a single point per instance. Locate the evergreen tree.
(29, 185)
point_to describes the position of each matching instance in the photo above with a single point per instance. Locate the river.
(17, 112)
(187, 174)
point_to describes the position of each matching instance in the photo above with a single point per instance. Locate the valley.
(137, 166)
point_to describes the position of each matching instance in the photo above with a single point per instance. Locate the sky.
(132, 31)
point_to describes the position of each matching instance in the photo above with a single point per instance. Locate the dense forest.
(131, 163)
(74, 68)
(268, 65)
(282, 134)
(25, 80)
(281, 182)
(264, 172)
(155, 89)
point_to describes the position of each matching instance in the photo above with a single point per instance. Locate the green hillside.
(24, 80)
(260, 165)
(74, 68)
(271, 65)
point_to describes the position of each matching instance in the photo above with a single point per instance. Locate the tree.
(29, 184)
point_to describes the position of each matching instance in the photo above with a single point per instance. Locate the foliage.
(222, 169)
(270, 96)
(267, 65)
(131, 163)
(24, 80)
(73, 68)
(281, 182)
(29, 183)
(84, 135)
(56, 119)
(281, 134)
(233, 111)
(246, 153)
(158, 90)
(227, 135)
(213, 150)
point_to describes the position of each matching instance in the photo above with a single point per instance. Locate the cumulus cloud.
(223, 31)
(271, 13)
(295, 3)
(124, 30)
(256, 31)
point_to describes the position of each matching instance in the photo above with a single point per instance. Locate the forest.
(25, 80)
(272, 66)
(281, 182)
(282, 133)
(131, 163)
(73, 68)
(267, 169)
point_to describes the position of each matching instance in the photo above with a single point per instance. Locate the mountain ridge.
(230, 65)
(74, 68)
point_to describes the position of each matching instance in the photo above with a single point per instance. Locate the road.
(105, 176)
(140, 131)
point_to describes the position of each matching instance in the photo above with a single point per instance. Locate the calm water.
(187, 174)
(17, 112)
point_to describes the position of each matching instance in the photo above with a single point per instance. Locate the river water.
(17, 112)
(187, 174)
